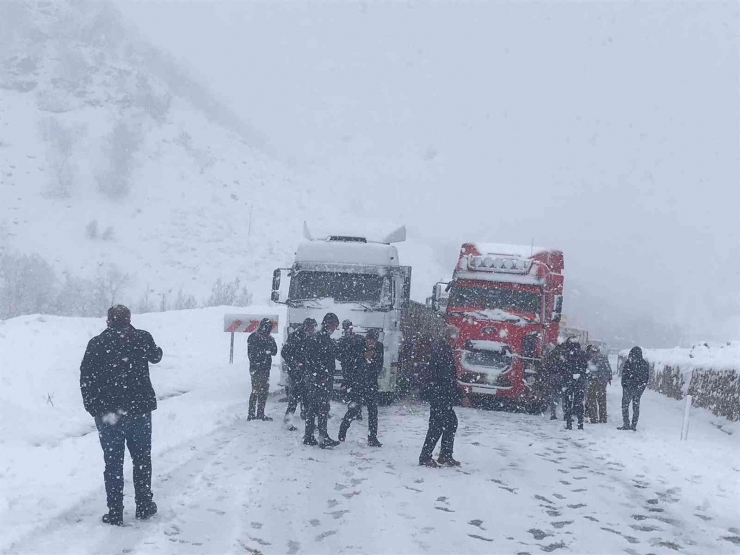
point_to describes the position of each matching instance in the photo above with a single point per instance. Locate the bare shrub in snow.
(120, 147)
(145, 303)
(184, 302)
(108, 286)
(61, 142)
(76, 297)
(230, 293)
(27, 284)
(91, 231)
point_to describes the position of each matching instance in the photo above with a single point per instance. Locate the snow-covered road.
(526, 486)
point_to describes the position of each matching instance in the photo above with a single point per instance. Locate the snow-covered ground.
(227, 486)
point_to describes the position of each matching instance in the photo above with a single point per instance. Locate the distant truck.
(357, 277)
(506, 301)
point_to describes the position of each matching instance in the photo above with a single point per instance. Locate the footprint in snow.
(293, 547)
(538, 534)
(338, 514)
(314, 522)
(477, 537)
(577, 506)
(561, 524)
(477, 522)
(332, 503)
(325, 535)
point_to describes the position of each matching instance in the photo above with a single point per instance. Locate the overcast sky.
(610, 130)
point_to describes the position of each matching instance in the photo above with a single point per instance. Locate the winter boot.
(265, 418)
(553, 417)
(310, 441)
(569, 425)
(447, 461)
(625, 426)
(373, 442)
(580, 425)
(146, 510)
(250, 417)
(113, 517)
(327, 443)
(429, 463)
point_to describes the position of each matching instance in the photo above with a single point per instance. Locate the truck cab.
(506, 301)
(356, 276)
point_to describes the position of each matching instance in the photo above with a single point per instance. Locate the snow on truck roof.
(340, 252)
(523, 251)
(356, 232)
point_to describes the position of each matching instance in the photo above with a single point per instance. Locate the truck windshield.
(342, 287)
(510, 300)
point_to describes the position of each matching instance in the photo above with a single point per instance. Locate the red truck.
(506, 301)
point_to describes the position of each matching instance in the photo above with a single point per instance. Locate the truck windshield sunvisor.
(470, 296)
(368, 289)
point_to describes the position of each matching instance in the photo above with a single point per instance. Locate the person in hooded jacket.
(320, 366)
(118, 394)
(600, 375)
(635, 377)
(575, 382)
(442, 393)
(261, 347)
(362, 387)
(294, 355)
(351, 349)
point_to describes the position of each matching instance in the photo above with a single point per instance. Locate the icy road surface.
(526, 486)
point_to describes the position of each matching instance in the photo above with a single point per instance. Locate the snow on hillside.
(99, 131)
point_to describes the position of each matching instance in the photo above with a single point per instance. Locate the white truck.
(356, 276)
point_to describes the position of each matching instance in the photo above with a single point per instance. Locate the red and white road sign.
(247, 323)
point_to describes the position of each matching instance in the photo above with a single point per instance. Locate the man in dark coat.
(635, 377)
(362, 387)
(442, 393)
(575, 382)
(320, 365)
(600, 375)
(261, 347)
(552, 378)
(118, 394)
(294, 355)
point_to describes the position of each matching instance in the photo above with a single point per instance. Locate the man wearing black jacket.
(321, 363)
(442, 393)
(635, 377)
(575, 382)
(118, 393)
(261, 347)
(294, 355)
(362, 387)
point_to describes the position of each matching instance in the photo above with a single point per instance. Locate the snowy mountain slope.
(94, 127)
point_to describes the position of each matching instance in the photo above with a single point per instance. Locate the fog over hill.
(113, 155)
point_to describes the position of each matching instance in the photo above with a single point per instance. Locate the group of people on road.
(310, 358)
(580, 377)
(118, 394)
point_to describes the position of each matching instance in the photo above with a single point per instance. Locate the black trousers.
(631, 395)
(354, 411)
(116, 432)
(442, 423)
(295, 396)
(317, 408)
(596, 402)
(573, 403)
(260, 390)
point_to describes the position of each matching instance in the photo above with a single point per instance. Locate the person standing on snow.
(635, 377)
(442, 393)
(351, 356)
(118, 394)
(261, 347)
(600, 375)
(362, 388)
(576, 380)
(320, 366)
(552, 378)
(294, 355)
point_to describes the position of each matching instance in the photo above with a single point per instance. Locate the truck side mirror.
(557, 310)
(276, 281)
(440, 296)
